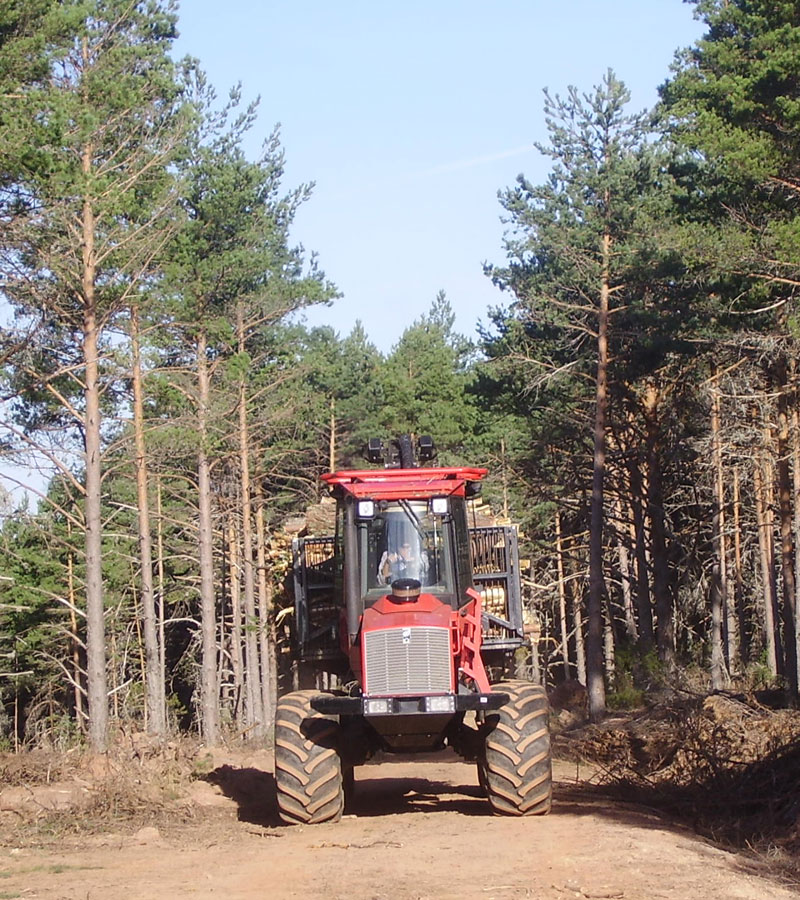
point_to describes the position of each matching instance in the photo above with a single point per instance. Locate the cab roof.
(399, 484)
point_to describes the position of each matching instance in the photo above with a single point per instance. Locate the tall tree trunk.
(562, 597)
(738, 581)
(254, 705)
(209, 699)
(137, 620)
(575, 570)
(719, 676)
(655, 509)
(76, 641)
(224, 659)
(580, 644)
(785, 487)
(332, 437)
(626, 577)
(162, 661)
(720, 532)
(761, 486)
(644, 608)
(113, 669)
(609, 657)
(795, 440)
(266, 645)
(237, 660)
(96, 677)
(594, 639)
(154, 685)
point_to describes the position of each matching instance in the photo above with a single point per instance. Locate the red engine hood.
(423, 610)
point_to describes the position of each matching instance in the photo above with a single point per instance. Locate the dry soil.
(418, 829)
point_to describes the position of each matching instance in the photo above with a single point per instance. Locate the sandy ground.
(418, 829)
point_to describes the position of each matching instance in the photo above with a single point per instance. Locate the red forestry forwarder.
(408, 610)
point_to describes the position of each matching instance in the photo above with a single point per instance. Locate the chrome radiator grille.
(415, 660)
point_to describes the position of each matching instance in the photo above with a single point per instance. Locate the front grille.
(415, 660)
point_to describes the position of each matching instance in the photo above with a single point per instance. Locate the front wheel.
(308, 770)
(518, 766)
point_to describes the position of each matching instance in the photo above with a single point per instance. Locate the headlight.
(440, 704)
(379, 707)
(439, 506)
(366, 509)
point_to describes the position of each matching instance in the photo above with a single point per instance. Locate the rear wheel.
(518, 767)
(308, 769)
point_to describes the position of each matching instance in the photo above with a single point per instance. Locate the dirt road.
(418, 830)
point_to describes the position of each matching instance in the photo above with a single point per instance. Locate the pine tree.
(577, 251)
(425, 383)
(32, 34)
(94, 217)
(234, 276)
(733, 103)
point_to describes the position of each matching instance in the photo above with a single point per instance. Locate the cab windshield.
(405, 540)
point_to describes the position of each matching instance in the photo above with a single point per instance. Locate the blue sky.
(409, 117)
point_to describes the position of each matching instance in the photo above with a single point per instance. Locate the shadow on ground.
(378, 794)
(252, 790)
(390, 796)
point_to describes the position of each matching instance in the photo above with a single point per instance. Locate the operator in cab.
(407, 561)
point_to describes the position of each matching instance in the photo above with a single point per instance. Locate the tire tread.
(518, 762)
(308, 769)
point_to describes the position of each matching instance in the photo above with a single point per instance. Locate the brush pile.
(138, 782)
(726, 764)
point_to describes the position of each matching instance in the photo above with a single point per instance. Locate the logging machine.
(410, 613)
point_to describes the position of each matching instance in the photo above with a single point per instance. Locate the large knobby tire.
(308, 769)
(518, 766)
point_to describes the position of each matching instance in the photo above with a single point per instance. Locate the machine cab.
(417, 539)
(402, 524)
(399, 524)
